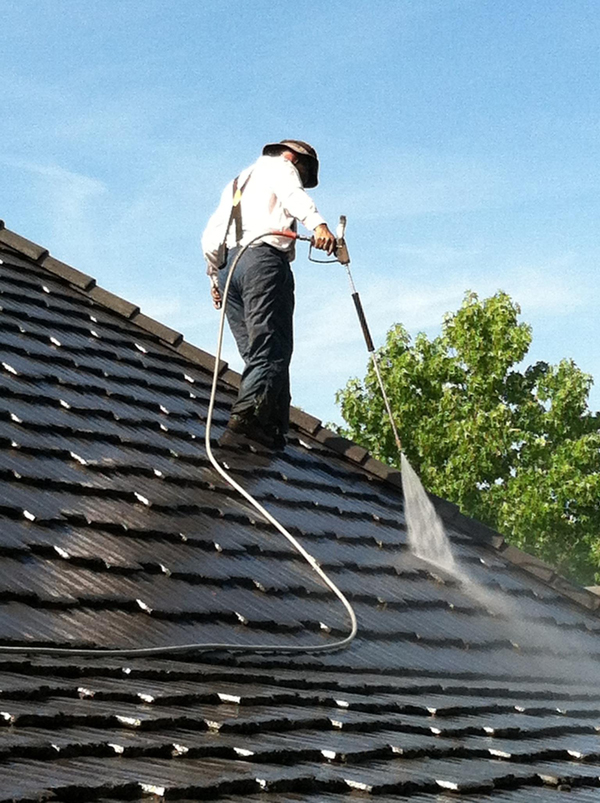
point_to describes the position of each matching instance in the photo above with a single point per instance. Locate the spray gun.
(340, 252)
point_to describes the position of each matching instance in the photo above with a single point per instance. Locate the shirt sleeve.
(215, 230)
(287, 185)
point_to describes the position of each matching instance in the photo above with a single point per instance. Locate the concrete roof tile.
(71, 275)
(113, 302)
(165, 333)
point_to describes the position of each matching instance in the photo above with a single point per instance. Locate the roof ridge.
(302, 421)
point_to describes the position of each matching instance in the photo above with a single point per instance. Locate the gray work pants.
(260, 311)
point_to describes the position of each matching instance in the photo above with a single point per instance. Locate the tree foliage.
(517, 449)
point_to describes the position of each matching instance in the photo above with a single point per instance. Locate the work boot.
(279, 441)
(241, 430)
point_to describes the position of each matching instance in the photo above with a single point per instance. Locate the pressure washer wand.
(342, 256)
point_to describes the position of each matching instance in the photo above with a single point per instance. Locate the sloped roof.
(115, 532)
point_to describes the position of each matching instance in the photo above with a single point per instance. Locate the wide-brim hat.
(303, 149)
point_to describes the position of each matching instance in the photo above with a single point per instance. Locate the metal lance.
(343, 256)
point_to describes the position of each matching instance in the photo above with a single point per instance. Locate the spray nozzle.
(341, 249)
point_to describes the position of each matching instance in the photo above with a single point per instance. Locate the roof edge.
(300, 420)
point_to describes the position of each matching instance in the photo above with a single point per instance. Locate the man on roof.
(269, 196)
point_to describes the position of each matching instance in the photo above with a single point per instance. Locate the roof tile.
(113, 302)
(20, 244)
(71, 275)
(528, 562)
(199, 357)
(304, 421)
(165, 333)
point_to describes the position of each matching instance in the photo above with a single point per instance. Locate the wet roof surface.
(116, 532)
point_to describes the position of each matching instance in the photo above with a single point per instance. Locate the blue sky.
(460, 137)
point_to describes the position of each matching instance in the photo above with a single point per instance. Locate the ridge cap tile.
(548, 573)
(577, 593)
(199, 356)
(22, 245)
(230, 377)
(70, 274)
(170, 336)
(304, 420)
(107, 299)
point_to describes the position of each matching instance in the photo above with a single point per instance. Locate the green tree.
(519, 450)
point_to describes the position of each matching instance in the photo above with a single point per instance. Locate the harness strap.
(236, 212)
(231, 214)
(236, 209)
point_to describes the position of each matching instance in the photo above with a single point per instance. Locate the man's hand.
(323, 239)
(216, 296)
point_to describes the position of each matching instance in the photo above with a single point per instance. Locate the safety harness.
(235, 215)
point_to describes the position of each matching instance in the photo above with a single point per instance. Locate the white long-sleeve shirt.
(272, 199)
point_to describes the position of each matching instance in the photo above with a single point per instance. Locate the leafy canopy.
(519, 450)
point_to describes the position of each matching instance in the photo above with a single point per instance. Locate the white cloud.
(58, 177)
(437, 254)
(67, 200)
